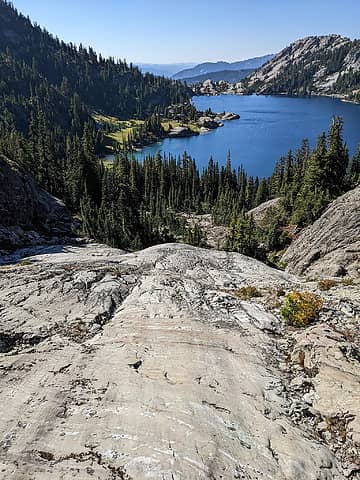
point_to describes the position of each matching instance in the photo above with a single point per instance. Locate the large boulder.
(331, 246)
(27, 212)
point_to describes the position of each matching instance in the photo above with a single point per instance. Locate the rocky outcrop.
(147, 365)
(213, 88)
(208, 123)
(230, 116)
(215, 235)
(260, 212)
(331, 246)
(309, 62)
(180, 132)
(27, 212)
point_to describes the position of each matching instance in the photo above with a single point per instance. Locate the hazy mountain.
(324, 65)
(209, 67)
(231, 76)
(164, 69)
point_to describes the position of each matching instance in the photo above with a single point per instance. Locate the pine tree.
(353, 171)
(336, 160)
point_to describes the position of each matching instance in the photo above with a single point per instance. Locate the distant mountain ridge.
(327, 64)
(163, 69)
(232, 76)
(210, 67)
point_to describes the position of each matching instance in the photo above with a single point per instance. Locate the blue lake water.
(268, 127)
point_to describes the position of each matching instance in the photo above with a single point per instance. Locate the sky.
(176, 31)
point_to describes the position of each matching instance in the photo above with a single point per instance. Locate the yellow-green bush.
(301, 308)
(246, 293)
(24, 263)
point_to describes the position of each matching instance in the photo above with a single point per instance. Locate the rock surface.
(26, 209)
(180, 132)
(330, 246)
(259, 213)
(147, 366)
(215, 234)
(314, 58)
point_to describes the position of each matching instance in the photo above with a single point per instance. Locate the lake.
(268, 127)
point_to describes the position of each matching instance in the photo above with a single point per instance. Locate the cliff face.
(148, 366)
(331, 246)
(26, 210)
(311, 65)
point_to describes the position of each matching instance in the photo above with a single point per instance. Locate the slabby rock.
(26, 209)
(259, 213)
(147, 366)
(331, 246)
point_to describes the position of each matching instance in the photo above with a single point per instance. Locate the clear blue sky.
(170, 31)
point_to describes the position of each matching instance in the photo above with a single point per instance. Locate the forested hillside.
(105, 84)
(48, 90)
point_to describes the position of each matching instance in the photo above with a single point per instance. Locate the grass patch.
(301, 308)
(170, 124)
(117, 132)
(246, 293)
(121, 129)
(25, 263)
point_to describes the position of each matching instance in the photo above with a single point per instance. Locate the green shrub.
(246, 293)
(301, 308)
(326, 284)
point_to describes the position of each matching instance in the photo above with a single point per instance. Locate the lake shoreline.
(342, 98)
(269, 126)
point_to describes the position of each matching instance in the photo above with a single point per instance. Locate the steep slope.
(210, 67)
(146, 365)
(113, 87)
(323, 65)
(331, 246)
(26, 210)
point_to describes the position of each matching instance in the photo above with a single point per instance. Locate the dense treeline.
(141, 201)
(104, 84)
(306, 182)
